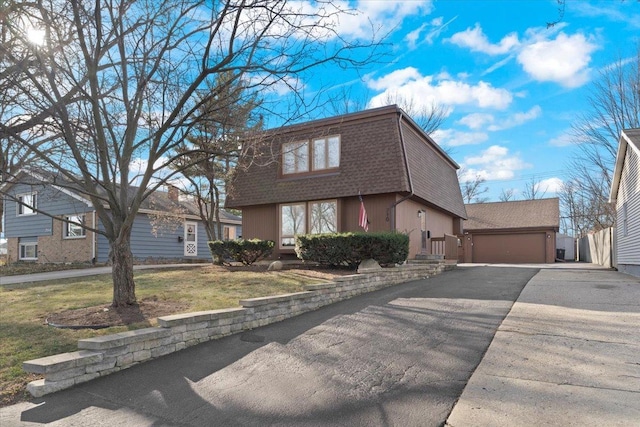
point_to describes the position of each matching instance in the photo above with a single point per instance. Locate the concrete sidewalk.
(82, 272)
(568, 353)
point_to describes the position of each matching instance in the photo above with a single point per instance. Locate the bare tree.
(533, 190)
(614, 105)
(472, 189)
(227, 119)
(507, 195)
(114, 81)
(429, 118)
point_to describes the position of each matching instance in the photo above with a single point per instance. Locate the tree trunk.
(124, 288)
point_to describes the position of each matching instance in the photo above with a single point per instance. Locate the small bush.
(245, 251)
(349, 249)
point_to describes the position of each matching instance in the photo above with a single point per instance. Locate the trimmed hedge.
(245, 251)
(350, 249)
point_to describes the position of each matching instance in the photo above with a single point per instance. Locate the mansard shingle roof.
(372, 161)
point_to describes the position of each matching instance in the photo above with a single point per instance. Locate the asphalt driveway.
(400, 356)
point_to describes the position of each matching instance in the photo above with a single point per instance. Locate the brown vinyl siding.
(432, 174)
(407, 221)
(260, 222)
(377, 207)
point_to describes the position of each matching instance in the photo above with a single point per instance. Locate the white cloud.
(455, 138)
(476, 120)
(563, 140)
(477, 41)
(425, 91)
(564, 60)
(517, 119)
(494, 163)
(412, 37)
(549, 185)
(384, 16)
(433, 29)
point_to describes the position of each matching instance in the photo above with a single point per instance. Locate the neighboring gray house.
(625, 193)
(33, 236)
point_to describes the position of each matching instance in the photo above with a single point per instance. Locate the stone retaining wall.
(104, 355)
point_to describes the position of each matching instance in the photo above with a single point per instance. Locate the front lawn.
(25, 308)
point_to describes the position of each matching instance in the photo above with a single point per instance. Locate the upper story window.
(27, 203)
(302, 156)
(295, 157)
(71, 228)
(326, 153)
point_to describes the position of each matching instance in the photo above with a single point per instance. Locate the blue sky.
(513, 86)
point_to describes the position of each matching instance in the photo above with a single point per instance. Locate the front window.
(29, 251)
(301, 218)
(27, 203)
(72, 229)
(295, 157)
(324, 217)
(293, 222)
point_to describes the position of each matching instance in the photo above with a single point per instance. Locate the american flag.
(363, 220)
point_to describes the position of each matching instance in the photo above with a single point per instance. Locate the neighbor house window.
(307, 218)
(625, 221)
(28, 251)
(27, 203)
(326, 153)
(73, 230)
(295, 157)
(302, 157)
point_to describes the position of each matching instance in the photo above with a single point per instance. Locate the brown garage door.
(509, 248)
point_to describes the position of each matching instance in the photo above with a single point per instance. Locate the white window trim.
(65, 228)
(24, 244)
(20, 206)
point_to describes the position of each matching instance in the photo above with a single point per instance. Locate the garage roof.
(527, 214)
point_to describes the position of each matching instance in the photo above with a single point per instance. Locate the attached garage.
(512, 232)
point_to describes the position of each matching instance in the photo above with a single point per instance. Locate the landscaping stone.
(104, 355)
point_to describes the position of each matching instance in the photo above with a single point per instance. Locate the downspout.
(94, 243)
(392, 208)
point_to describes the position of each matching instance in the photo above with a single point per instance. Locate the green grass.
(25, 307)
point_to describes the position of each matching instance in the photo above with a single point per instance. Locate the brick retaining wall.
(106, 354)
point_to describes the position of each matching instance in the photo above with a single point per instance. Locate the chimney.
(173, 193)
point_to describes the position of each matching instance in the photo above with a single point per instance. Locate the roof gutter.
(392, 208)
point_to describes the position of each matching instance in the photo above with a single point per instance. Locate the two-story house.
(44, 227)
(319, 168)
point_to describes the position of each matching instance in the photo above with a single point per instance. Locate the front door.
(190, 239)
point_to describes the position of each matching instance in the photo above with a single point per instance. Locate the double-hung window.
(27, 203)
(72, 229)
(304, 156)
(314, 217)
